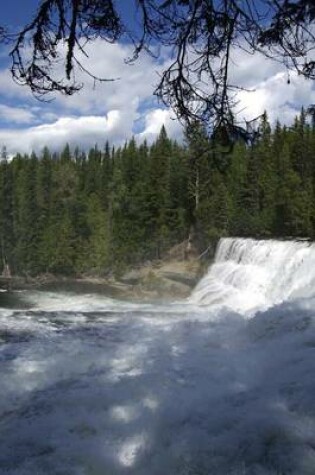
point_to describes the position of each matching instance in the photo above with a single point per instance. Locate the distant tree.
(65, 155)
(7, 240)
(3, 153)
(27, 217)
(159, 195)
(106, 175)
(112, 209)
(43, 193)
(203, 35)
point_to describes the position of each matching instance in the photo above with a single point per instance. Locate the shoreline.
(157, 280)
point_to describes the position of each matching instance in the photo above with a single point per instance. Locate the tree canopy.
(201, 36)
(100, 212)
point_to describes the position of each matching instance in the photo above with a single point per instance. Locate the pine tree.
(7, 241)
(159, 198)
(27, 223)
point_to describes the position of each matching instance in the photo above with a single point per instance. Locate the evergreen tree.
(27, 218)
(7, 241)
(159, 198)
(110, 209)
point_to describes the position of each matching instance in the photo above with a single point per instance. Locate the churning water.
(222, 383)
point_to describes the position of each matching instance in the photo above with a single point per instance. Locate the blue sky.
(16, 12)
(116, 111)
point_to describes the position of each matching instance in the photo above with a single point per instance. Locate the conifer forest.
(98, 212)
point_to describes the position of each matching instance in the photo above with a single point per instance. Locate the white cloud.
(86, 118)
(84, 131)
(132, 83)
(9, 88)
(248, 70)
(268, 88)
(18, 115)
(153, 122)
(114, 110)
(282, 100)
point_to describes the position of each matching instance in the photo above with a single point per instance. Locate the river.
(220, 383)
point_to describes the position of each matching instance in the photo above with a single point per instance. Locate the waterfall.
(249, 275)
(93, 385)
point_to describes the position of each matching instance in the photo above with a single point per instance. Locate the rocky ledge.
(166, 280)
(170, 278)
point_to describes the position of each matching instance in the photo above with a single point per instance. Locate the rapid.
(220, 383)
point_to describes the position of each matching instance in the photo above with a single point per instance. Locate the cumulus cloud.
(154, 120)
(282, 100)
(105, 111)
(248, 70)
(117, 110)
(18, 115)
(131, 83)
(9, 89)
(85, 131)
(268, 86)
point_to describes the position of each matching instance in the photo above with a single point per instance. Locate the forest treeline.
(98, 212)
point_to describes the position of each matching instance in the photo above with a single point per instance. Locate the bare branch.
(201, 34)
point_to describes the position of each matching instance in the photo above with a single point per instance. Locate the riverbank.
(164, 279)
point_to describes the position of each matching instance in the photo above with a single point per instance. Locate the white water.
(251, 275)
(220, 384)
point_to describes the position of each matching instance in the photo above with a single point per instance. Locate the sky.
(118, 110)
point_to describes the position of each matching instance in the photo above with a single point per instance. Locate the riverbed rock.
(164, 279)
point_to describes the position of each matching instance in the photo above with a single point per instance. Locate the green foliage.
(100, 212)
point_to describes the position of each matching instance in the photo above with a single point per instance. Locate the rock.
(135, 276)
(163, 279)
(163, 287)
(188, 280)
